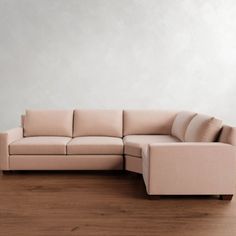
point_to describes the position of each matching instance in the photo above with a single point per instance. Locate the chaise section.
(7, 138)
(95, 145)
(189, 168)
(39, 146)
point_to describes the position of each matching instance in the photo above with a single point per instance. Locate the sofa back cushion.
(148, 121)
(48, 123)
(228, 135)
(181, 123)
(203, 128)
(98, 123)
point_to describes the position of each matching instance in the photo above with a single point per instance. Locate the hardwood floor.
(104, 204)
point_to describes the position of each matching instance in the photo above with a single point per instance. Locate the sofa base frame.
(66, 162)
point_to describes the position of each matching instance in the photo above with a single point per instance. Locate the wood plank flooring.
(104, 204)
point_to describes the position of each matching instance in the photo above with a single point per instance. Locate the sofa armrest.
(189, 168)
(6, 138)
(192, 148)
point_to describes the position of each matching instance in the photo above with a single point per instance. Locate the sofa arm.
(189, 168)
(6, 138)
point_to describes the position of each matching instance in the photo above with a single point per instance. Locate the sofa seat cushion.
(134, 143)
(95, 145)
(47, 145)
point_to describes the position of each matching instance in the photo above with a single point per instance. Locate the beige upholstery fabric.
(48, 123)
(98, 123)
(134, 143)
(228, 135)
(6, 138)
(148, 121)
(95, 145)
(203, 128)
(133, 164)
(39, 145)
(189, 168)
(181, 123)
(66, 162)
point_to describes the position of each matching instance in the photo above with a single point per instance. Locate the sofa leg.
(226, 197)
(154, 197)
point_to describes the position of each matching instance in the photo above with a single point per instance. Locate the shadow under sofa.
(178, 153)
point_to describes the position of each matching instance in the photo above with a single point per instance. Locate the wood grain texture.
(104, 203)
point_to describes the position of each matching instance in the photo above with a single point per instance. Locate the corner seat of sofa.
(133, 144)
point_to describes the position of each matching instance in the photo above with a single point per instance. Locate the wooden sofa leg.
(226, 197)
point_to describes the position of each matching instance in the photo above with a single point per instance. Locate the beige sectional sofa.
(178, 153)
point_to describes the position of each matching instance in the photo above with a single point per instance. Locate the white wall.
(173, 54)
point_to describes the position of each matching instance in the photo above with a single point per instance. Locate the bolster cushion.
(48, 123)
(181, 123)
(203, 128)
(98, 123)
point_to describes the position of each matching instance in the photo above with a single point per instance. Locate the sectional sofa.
(178, 153)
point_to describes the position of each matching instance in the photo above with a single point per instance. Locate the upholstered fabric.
(181, 123)
(48, 123)
(228, 135)
(203, 128)
(7, 138)
(98, 123)
(133, 164)
(134, 143)
(66, 162)
(189, 168)
(148, 121)
(95, 145)
(39, 145)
